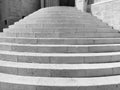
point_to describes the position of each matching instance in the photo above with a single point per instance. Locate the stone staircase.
(59, 48)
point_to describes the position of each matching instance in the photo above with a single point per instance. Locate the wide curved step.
(60, 57)
(70, 30)
(11, 82)
(60, 41)
(60, 70)
(63, 35)
(60, 48)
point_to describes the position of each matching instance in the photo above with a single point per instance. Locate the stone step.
(60, 58)
(60, 70)
(15, 82)
(58, 17)
(59, 30)
(60, 12)
(60, 48)
(60, 41)
(63, 35)
(58, 24)
(56, 14)
(25, 24)
(60, 21)
(52, 27)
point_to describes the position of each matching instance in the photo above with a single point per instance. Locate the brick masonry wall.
(108, 11)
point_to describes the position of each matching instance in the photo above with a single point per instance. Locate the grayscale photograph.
(59, 44)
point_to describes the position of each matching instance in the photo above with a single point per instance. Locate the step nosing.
(57, 38)
(55, 81)
(59, 54)
(37, 66)
(61, 45)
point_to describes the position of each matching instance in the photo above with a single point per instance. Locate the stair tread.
(66, 82)
(61, 45)
(59, 66)
(60, 54)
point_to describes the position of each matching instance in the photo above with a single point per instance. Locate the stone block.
(33, 59)
(67, 60)
(46, 35)
(8, 70)
(24, 48)
(26, 41)
(68, 73)
(78, 49)
(34, 72)
(8, 57)
(27, 35)
(98, 72)
(97, 59)
(5, 47)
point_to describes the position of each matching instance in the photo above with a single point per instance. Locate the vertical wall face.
(0, 8)
(13, 10)
(82, 5)
(49, 3)
(18, 8)
(67, 3)
(108, 11)
(29, 6)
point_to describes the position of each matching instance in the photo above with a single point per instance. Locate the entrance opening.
(67, 3)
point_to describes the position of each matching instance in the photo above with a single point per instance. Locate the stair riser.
(54, 17)
(60, 73)
(60, 60)
(57, 31)
(60, 49)
(60, 21)
(61, 18)
(64, 35)
(65, 23)
(8, 86)
(64, 30)
(60, 26)
(60, 41)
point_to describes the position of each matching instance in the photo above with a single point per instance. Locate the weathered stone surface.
(108, 11)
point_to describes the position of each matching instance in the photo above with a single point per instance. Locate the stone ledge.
(63, 82)
(101, 2)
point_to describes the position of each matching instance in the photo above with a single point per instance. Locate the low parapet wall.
(108, 11)
(80, 4)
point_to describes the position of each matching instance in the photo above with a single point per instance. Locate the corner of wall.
(108, 11)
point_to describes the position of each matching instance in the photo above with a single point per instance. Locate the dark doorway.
(67, 3)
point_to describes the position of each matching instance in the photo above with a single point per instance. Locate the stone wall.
(13, 10)
(108, 11)
(80, 4)
(49, 3)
